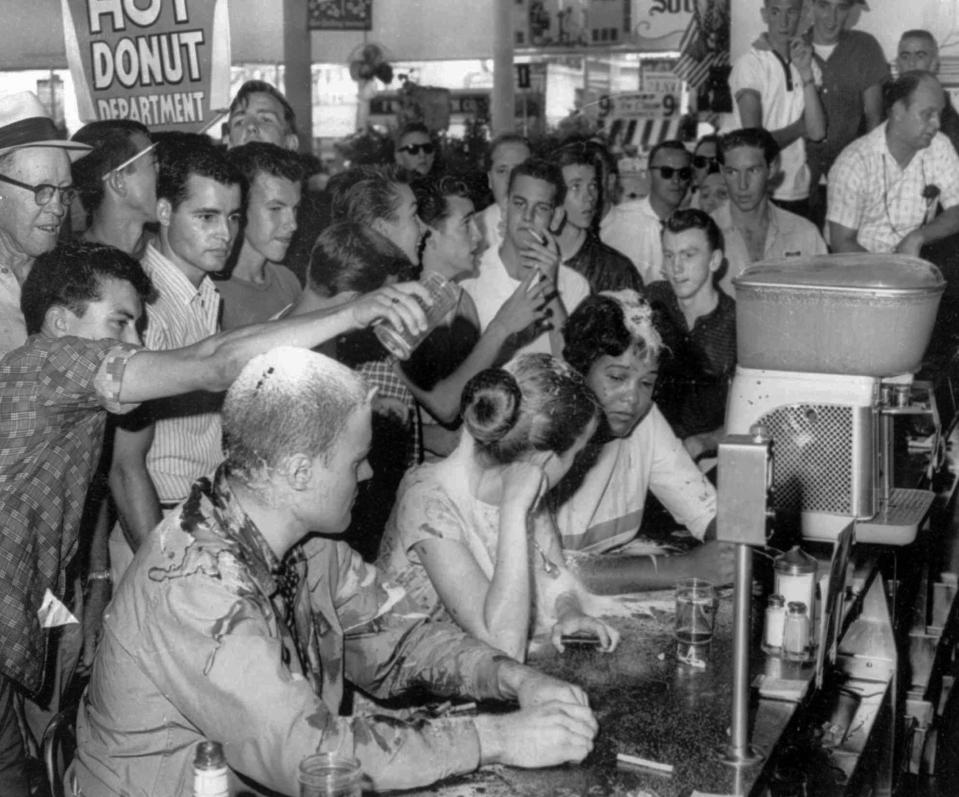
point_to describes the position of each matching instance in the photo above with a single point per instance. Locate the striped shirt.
(186, 444)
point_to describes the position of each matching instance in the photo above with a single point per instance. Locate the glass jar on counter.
(775, 621)
(796, 632)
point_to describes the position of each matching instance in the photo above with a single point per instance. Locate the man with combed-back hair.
(529, 254)
(237, 623)
(159, 451)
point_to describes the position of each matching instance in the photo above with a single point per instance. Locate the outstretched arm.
(213, 363)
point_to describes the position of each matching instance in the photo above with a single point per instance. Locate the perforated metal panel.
(816, 448)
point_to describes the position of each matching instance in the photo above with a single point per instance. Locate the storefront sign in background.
(649, 24)
(165, 63)
(340, 14)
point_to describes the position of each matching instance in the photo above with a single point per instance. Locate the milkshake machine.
(827, 349)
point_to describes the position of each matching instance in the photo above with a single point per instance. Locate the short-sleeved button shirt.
(54, 398)
(870, 193)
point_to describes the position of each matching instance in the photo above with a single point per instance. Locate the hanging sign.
(164, 63)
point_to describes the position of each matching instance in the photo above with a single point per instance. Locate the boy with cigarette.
(529, 252)
(774, 84)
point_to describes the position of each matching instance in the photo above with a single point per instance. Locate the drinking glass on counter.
(695, 620)
(330, 775)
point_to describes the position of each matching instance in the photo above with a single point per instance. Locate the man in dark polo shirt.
(853, 71)
(697, 321)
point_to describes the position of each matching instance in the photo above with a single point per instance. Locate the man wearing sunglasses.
(35, 196)
(634, 227)
(415, 151)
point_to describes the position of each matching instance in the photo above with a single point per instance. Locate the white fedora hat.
(24, 122)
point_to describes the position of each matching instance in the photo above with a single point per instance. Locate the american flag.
(695, 60)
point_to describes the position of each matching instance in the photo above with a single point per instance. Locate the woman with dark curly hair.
(611, 341)
(469, 539)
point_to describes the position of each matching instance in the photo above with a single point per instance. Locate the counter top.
(648, 705)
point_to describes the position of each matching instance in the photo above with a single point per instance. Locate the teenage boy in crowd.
(774, 87)
(580, 246)
(535, 192)
(634, 227)
(753, 226)
(259, 286)
(853, 70)
(162, 449)
(698, 327)
(505, 153)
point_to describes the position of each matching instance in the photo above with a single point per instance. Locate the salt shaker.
(796, 631)
(774, 622)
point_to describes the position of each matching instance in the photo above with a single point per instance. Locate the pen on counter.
(645, 763)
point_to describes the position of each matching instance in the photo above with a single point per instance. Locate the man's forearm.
(557, 321)
(443, 401)
(137, 502)
(944, 225)
(409, 652)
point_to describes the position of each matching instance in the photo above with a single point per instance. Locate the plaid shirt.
(868, 192)
(382, 375)
(54, 394)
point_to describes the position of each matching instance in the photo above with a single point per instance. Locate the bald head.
(917, 49)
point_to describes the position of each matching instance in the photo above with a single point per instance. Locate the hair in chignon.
(533, 403)
(490, 405)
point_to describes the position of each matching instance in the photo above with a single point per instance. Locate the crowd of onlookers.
(180, 547)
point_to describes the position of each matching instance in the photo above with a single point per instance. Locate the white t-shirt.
(634, 229)
(493, 285)
(759, 69)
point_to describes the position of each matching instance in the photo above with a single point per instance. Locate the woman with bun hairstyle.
(468, 538)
